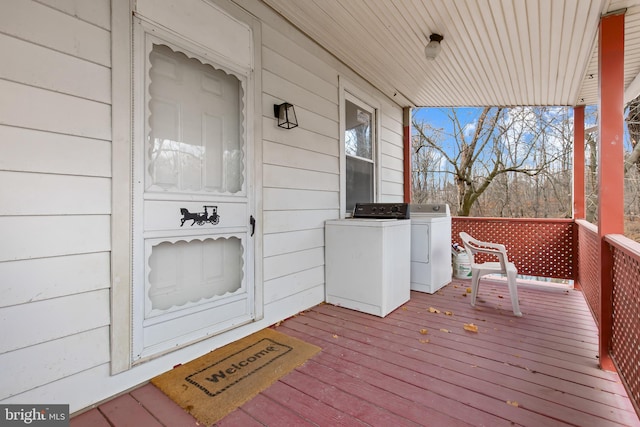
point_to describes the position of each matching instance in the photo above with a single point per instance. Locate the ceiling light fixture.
(433, 47)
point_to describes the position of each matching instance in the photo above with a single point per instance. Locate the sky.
(438, 117)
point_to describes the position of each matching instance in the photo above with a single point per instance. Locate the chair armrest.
(497, 249)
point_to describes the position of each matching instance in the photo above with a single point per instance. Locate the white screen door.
(193, 245)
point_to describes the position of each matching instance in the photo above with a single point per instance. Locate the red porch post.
(579, 211)
(406, 121)
(611, 176)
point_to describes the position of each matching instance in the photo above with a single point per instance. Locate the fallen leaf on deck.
(449, 313)
(514, 403)
(404, 308)
(470, 327)
(423, 331)
(433, 310)
(464, 295)
(469, 290)
(335, 336)
(500, 296)
(444, 330)
(455, 286)
(424, 341)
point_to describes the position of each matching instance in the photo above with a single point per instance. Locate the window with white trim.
(360, 152)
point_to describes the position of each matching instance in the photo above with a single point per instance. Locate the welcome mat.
(215, 384)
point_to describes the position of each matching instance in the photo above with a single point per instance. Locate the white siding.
(301, 166)
(55, 140)
(391, 129)
(56, 153)
(56, 29)
(55, 131)
(55, 359)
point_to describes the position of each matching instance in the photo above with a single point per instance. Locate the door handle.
(252, 221)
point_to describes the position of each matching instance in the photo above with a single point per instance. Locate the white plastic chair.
(474, 246)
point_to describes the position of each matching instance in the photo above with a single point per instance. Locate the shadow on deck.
(538, 370)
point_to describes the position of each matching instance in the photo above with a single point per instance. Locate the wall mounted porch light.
(286, 115)
(433, 47)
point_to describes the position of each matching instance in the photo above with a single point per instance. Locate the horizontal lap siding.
(392, 154)
(300, 172)
(301, 167)
(55, 132)
(55, 139)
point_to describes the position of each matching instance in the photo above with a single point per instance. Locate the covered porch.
(537, 370)
(419, 366)
(72, 268)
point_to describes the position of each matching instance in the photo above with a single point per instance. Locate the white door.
(193, 245)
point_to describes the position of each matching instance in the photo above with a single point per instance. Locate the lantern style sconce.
(286, 115)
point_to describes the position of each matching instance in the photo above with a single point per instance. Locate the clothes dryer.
(430, 247)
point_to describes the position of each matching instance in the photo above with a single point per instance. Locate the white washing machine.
(430, 247)
(367, 260)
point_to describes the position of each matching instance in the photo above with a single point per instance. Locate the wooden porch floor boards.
(537, 370)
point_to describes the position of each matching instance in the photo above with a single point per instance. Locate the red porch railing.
(588, 277)
(625, 337)
(570, 249)
(538, 247)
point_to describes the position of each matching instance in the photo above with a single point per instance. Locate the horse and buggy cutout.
(200, 217)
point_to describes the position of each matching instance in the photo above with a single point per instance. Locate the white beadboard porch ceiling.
(494, 52)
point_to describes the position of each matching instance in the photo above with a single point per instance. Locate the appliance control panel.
(431, 209)
(381, 210)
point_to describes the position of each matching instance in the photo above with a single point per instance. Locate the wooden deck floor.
(538, 370)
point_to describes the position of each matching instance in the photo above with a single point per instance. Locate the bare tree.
(633, 125)
(500, 142)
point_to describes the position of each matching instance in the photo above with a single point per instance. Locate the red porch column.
(406, 121)
(579, 206)
(611, 174)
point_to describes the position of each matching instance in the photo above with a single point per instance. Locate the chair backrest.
(474, 246)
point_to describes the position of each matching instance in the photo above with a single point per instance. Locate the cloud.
(470, 129)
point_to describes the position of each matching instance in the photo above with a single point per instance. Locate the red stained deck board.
(239, 418)
(477, 378)
(413, 403)
(162, 407)
(125, 411)
(331, 389)
(458, 342)
(512, 334)
(538, 312)
(515, 334)
(92, 418)
(308, 407)
(514, 378)
(376, 371)
(527, 327)
(269, 412)
(537, 301)
(507, 364)
(423, 375)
